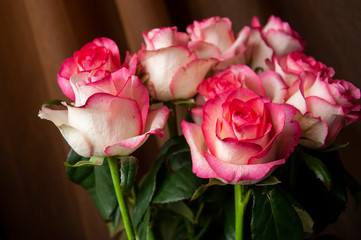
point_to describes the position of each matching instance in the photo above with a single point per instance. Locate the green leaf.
(93, 161)
(147, 189)
(185, 102)
(143, 229)
(307, 222)
(335, 147)
(97, 181)
(128, 169)
(319, 168)
(269, 181)
(179, 182)
(199, 191)
(273, 216)
(181, 209)
(52, 102)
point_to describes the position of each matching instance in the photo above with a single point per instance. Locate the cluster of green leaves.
(301, 198)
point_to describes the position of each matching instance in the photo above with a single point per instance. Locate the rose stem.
(241, 198)
(172, 120)
(114, 170)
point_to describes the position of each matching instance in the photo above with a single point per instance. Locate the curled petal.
(194, 136)
(332, 114)
(161, 65)
(164, 37)
(155, 123)
(106, 119)
(283, 43)
(274, 85)
(186, 79)
(314, 130)
(67, 69)
(205, 50)
(239, 173)
(113, 48)
(134, 89)
(215, 30)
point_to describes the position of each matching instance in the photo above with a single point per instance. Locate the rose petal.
(67, 69)
(194, 136)
(155, 123)
(282, 42)
(230, 172)
(113, 48)
(204, 50)
(186, 79)
(161, 65)
(134, 89)
(106, 119)
(275, 86)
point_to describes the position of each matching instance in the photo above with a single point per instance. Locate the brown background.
(37, 201)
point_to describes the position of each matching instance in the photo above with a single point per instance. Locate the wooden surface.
(37, 201)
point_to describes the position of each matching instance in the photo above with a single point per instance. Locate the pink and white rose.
(100, 54)
(172, 70)
(235, 76)
(276, 38)
(213, 38)
(242, 139)
(324, 105)
(111, 114)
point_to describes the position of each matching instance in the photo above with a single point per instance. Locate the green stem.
(114, 170)
(190, 229)
(241, 198)
(172, 120)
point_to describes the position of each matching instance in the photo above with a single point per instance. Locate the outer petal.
(58, 117)
(164, 37)
(332, 114)
(67, 69)
(283, 43)
(205, 50)
(314, 130)
(155, 123)
(274, 85)
(130, 62)
(76, 139)
(187, 78)
(257, 50)
(134, 89)
(161, 66)
(83, 90)
(194, 136)
(105, 120)
(215, 30)
(230, 172)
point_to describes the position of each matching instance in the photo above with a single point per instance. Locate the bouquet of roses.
(256, 158)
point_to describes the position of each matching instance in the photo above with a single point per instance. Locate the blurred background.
(37, 201)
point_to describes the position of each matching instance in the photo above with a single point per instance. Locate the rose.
(241, 139)
(324, 105)
(173, 71)
(114, 119)
(213, 38)
(290, 66)
(275, 38)
(101, 54)
(280, 36)
(235, 76)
